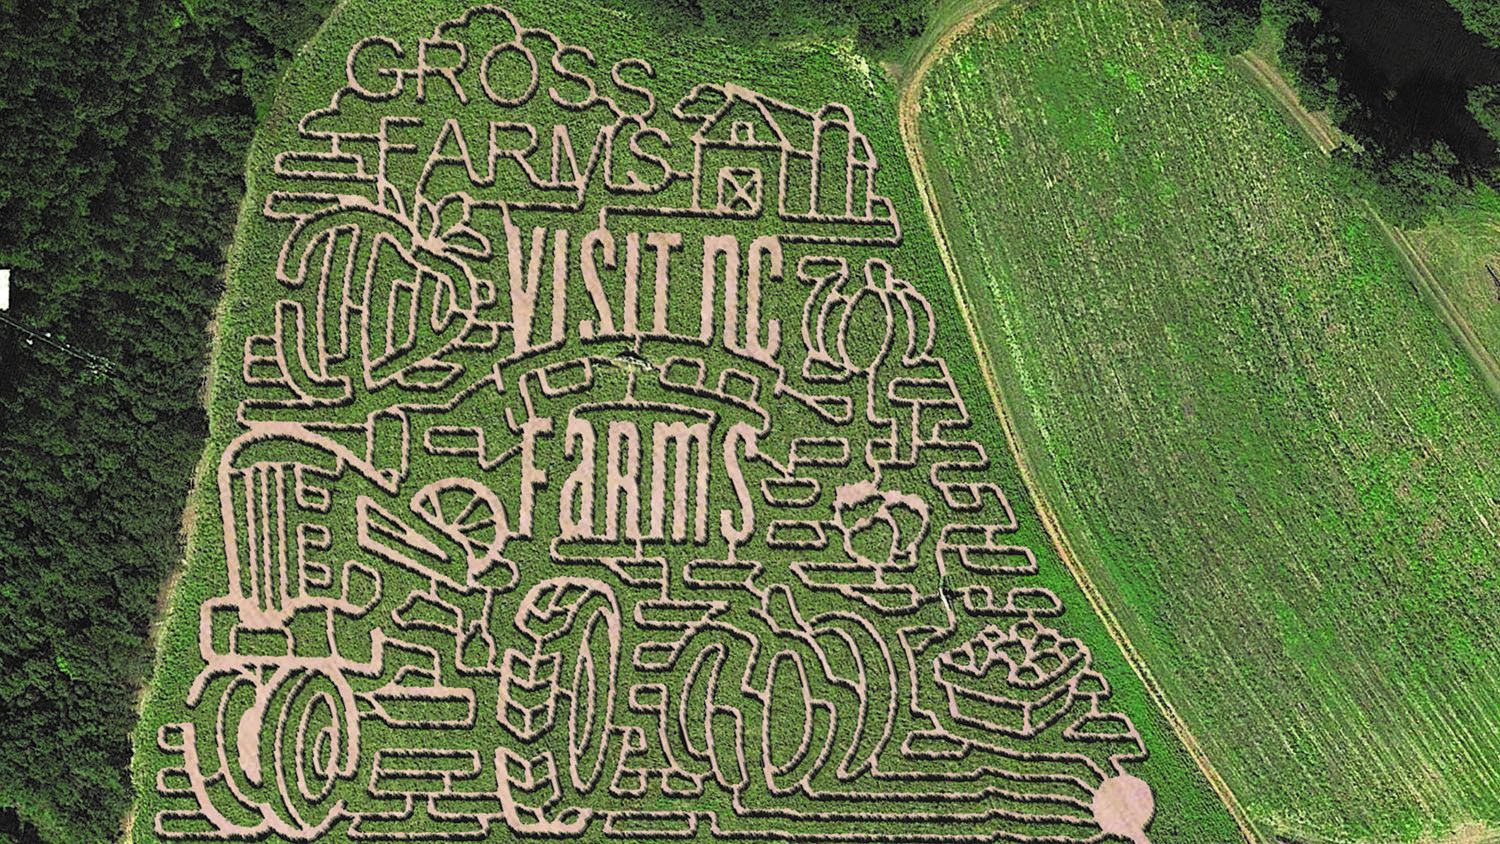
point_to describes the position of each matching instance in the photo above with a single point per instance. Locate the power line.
(97, 365)
(94, 362)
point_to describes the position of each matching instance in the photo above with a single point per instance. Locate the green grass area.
(449, 614)
(1266, 447)
(1460, 246)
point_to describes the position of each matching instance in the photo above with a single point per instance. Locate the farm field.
(597, 452)
(1267, 450)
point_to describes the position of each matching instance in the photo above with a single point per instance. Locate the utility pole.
(1495, 277)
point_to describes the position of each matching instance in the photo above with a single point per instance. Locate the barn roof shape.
(740, 105)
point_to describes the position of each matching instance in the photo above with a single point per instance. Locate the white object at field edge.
(4, 290)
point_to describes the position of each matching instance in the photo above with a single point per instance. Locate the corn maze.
(595, 475)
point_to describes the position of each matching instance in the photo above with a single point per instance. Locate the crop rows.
(1265, 446)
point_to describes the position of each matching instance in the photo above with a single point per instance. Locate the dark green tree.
(1227, 26)
(1481, 17)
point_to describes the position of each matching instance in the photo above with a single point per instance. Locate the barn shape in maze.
(596, 477)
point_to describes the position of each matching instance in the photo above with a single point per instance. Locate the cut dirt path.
(909, 107)
(1261, 72)
(1422, 277)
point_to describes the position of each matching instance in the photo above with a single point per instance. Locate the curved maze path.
(596, 473)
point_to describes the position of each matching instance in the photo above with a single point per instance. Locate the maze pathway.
(595, 474)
